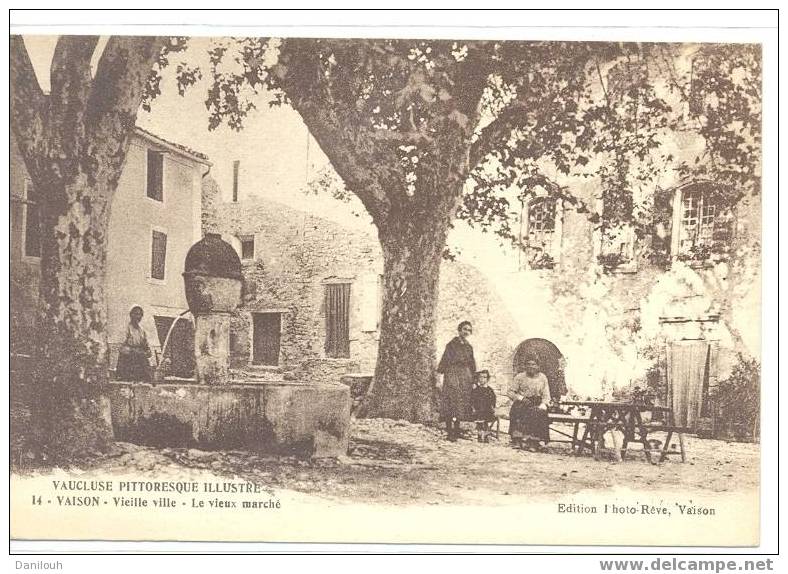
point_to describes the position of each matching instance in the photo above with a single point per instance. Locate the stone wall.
(296, 254)
(612, 325)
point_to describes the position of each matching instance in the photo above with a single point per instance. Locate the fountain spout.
(161, 365)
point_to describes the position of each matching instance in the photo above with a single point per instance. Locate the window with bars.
(32, 222)
(155, 175)
(703, 225)
(158, 255)
(540, 232)
(337, 308)
(697, 220)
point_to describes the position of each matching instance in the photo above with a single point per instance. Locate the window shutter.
(337, 305)
(158, 255)
(155, 188)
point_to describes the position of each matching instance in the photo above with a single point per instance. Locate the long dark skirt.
(457, 387)
(528, 422)
(133, 367)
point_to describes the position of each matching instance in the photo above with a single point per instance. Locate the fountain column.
(212, 278)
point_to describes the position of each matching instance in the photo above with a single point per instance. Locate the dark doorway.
(551, 363)
(267, 330)
(179, 353)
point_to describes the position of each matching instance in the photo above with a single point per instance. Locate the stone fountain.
(214, 411)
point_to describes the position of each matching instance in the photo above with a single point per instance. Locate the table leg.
(575, 431)
(666, 447)
(586, 436)
(643, 432)
(681, 444)
(598, 436)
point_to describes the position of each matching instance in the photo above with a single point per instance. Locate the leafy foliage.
(537, 112)
(619, 128)
(738, 401)
(187, 75)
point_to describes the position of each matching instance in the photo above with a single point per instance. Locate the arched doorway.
(550, 359)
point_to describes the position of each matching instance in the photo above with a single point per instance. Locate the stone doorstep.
(240, 374)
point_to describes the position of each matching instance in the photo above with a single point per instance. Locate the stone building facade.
(293, 260)
(671, 308)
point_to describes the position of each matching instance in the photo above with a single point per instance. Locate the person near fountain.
(134, 355)
(529, 424)
(455, 374)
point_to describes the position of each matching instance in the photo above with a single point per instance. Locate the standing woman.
(528, 420)
(456, 371)
(133, 364)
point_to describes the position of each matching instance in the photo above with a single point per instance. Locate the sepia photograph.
(468, 287)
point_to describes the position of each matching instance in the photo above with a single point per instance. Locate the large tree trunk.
(74, 143)
(405, 372)
(72, 340)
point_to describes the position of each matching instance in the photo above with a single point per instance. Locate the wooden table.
(628, 419)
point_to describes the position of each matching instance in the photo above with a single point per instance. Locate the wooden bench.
(594, 440)
(555, 419)
(669, 431)
(559, 418)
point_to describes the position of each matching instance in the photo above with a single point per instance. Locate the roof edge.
(172, 146)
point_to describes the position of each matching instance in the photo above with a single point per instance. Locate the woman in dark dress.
(456, 371)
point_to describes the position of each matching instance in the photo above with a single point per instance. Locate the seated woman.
(528, 421)
(133, 364)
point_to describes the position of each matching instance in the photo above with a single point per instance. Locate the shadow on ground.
(395, 462)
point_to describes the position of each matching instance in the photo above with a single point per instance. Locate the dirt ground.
(399, 463)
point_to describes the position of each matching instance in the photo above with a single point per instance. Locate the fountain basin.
(302, 419)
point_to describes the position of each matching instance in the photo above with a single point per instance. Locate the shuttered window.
(337, 306)
(155, 183)
(158, 254)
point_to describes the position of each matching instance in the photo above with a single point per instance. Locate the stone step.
(257, 374)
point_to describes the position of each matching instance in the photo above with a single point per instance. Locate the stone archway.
(550, 359)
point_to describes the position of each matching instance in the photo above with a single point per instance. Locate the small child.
(483, 401)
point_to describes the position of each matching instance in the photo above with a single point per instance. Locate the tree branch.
(351, 152)
(71, 82)
(121, 76)
(500, 129)
(29, 106)
(70, 65)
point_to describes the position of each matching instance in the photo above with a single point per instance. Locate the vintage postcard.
(433, 289)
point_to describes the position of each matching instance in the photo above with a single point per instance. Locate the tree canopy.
(528, 111)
